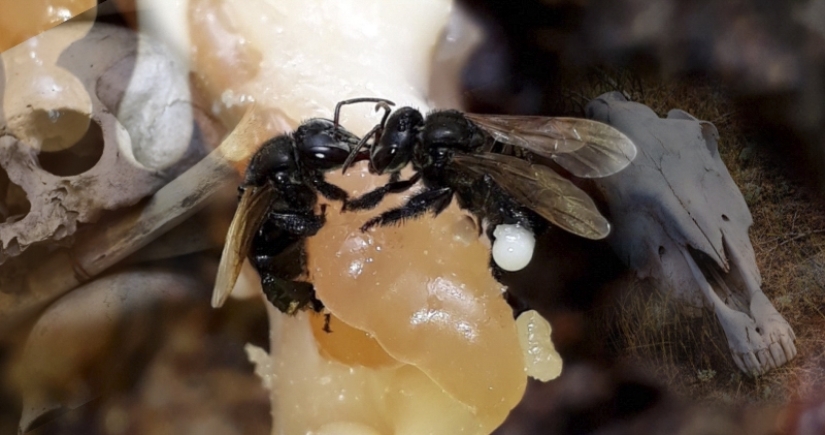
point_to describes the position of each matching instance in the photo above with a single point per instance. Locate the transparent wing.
(248, 218)
(586, 148)
(542, 190)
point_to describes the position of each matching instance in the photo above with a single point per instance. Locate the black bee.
(276, 210)
(452, 154)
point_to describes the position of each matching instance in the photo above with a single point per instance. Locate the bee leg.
(370, 200)
(329, 190)
(288, 296)
(327, 320)
(434, 200)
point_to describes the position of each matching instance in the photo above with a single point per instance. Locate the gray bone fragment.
(680, 220)
(126, 84)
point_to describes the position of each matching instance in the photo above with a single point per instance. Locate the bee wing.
(248, 218)
(586, 148)
(543, 190)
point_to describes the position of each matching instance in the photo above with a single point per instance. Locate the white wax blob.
(513, 248)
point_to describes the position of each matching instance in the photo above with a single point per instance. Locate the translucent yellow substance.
(427, 297)
(421, 342)
(20, 20)
(348, 345)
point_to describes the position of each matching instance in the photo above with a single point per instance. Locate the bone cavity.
(57, 94)
(45, 105)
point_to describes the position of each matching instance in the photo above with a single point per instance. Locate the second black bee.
(451, 152)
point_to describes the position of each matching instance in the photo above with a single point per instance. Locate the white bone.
(123, 82)
(99, 250)
(676, 203)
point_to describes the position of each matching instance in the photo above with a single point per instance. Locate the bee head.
(321, 146)
(398, 140)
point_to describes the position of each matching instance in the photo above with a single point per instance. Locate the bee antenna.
(382, 102)
(387, 109)
(354, 153)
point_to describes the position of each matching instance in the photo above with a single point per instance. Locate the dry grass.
(689, 352)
